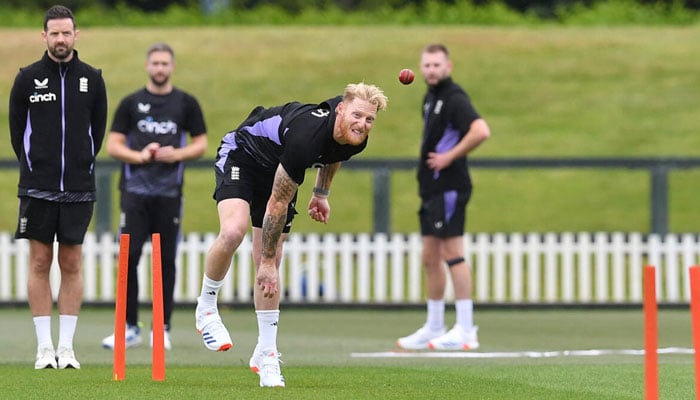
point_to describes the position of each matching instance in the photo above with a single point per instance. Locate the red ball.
(406, 76)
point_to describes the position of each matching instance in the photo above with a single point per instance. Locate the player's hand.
(319, 209)
(438, 161)
(167, 154)
(266, 279)
(148, 153)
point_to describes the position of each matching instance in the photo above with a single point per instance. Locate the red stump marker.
(120, 309)
(158, 372)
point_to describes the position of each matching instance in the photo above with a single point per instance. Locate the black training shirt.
(166, 119)
(447, 116)
(296, 135)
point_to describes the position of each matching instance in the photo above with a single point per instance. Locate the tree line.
(541, 8)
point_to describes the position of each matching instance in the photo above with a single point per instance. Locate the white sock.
(42, 325)
(436, 314)
(66, 330)
(465, 313)
(267, 329)
(210, 292)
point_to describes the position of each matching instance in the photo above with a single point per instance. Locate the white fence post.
(6, 253)
(516, 255)
(533, 268)
(567, 248)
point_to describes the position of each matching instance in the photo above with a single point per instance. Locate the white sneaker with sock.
(419, 339)
(209, 325)
(45, 358)
(267, 364)
(457, 339)
(66, 358)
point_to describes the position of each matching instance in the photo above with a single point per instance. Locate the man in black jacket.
(58, 115)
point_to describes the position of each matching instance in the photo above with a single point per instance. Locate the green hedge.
(429, 12)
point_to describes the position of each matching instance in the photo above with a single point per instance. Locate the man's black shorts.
(45, 220)
(243, 179)
(444, 214)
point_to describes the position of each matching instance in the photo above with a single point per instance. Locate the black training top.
(145, 118)
(58, 115)
(296, 135)
(447, 116)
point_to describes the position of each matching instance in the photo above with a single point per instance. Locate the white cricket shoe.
(167, 343)
(45, 358)
(256, 359)
(66, 358)
(209, 325)
(456, 339)
(268, 365)
(419, 339)
(132, 336)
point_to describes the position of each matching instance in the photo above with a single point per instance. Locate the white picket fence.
(515, 268)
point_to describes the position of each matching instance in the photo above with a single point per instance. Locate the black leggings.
(141, 217)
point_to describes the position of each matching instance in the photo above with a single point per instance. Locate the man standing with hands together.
(149, 136)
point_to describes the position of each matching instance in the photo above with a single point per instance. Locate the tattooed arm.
(283, 190)
(319, 209)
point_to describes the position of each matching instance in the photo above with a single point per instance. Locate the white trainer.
(132, 335)
(457, 339)
(419, 339)
(209, 325)
(269, 369)
(66, 358)
(167, 343)
(256, 360)
(45, 358)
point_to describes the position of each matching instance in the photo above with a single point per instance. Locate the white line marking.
(519, 354)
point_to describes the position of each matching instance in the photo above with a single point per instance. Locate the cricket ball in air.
(406, 76)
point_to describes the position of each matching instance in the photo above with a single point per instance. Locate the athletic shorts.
(45, 220)
(444, 214)
(244, 179)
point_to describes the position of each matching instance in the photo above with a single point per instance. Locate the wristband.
(321, 192)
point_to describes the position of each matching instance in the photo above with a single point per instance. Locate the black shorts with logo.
(45, 220)
(244, 179)
(444, 214)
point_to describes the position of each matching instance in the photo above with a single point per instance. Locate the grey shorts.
(45, 220)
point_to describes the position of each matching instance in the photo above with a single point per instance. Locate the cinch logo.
(39, 98)
(148, 125)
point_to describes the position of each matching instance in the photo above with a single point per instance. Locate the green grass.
(317, 347)
(545, 91)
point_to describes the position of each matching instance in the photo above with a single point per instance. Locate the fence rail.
(533, 268)
(382, 169)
